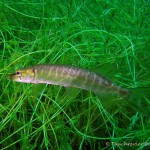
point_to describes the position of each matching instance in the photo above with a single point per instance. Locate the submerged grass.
(111, 37)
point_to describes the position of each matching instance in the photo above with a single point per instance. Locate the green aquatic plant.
(83, 35)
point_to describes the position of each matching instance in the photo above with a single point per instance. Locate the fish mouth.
(11, 76)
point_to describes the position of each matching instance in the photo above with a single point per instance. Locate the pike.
(67, 76)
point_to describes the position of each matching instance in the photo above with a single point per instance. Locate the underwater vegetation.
(109, 37)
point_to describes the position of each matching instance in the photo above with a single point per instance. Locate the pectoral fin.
(72, 92)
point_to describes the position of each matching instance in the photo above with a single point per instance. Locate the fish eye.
(18, 73)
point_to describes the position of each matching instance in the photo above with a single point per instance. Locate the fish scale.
(67, 76)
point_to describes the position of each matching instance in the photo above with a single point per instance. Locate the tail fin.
(139, 100)
(140, 91)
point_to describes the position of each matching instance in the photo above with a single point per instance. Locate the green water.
(108, 36)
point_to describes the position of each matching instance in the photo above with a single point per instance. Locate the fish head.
(23, 75)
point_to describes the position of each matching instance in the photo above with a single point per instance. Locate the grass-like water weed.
(110, 37)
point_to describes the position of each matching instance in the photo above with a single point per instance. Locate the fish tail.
(140, 91)
(139, 100)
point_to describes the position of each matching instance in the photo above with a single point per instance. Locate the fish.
(70, 76)
(67, 76)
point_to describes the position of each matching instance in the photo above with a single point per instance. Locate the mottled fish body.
(67, 76)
